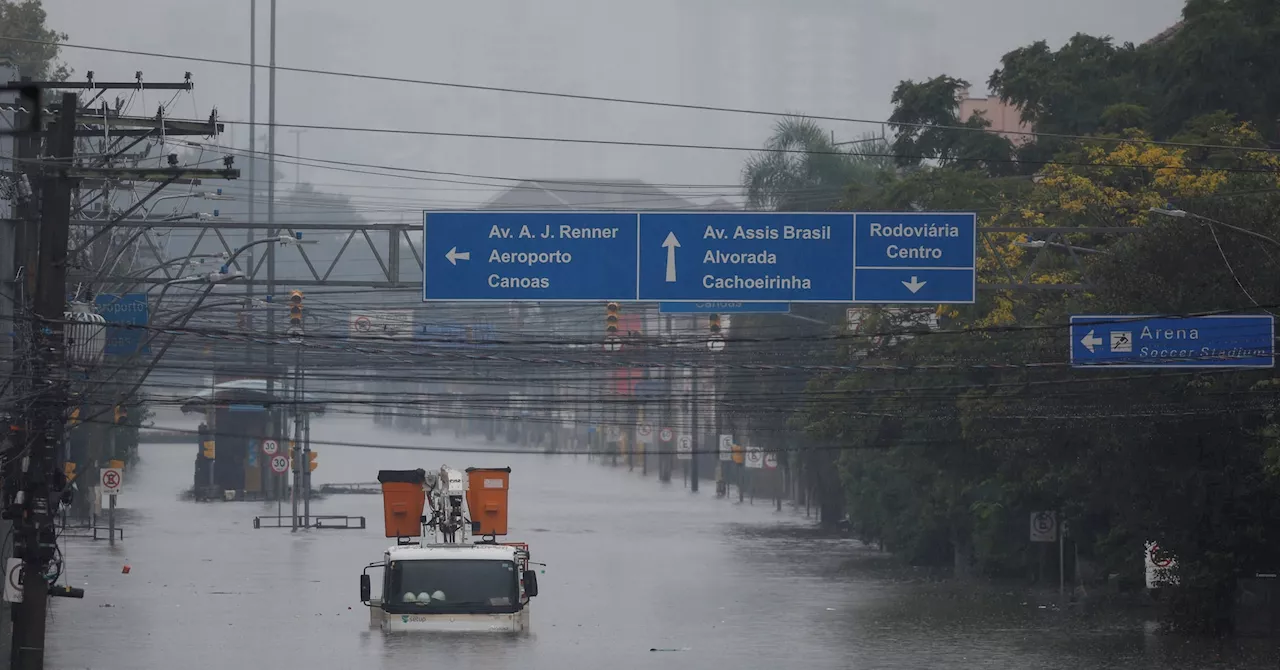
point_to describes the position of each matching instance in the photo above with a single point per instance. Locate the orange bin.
(487, 499)
(404, 495)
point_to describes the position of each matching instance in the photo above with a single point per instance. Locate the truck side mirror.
(530, 583)
(366, 591)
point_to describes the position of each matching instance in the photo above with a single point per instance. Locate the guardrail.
(319, 521)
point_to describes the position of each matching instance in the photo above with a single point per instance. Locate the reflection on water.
(632, 565)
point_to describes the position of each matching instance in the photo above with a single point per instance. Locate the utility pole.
(693, 432)
(271, 221)
(35, 535)
(253, 160)
(297, 174)
(664, 457)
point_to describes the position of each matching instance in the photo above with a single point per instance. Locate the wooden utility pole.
(34, 533)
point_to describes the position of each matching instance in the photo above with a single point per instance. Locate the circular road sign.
(1158, 561)
(1044, 523)
(14, 577)
(363, 324)
(111, 479)
(644, 430)
(270, 447)
(771, 461)
(279, 464)
(665, 435)
(685, 443)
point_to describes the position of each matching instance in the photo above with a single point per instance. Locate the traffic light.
(714, 320)
(611, 318)
(295, 309)
(207, 449)
(121, 415)
(311, 461)
(69, 468)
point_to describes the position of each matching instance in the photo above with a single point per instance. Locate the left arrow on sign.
(1090, 341)
(454, 255)
(670, 244)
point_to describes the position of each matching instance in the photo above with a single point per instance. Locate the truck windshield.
(452, 586)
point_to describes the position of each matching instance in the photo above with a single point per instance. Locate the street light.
(1183, 214)
(286, 240)
(1042, 244)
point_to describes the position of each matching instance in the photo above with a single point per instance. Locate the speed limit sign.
(279, 464)
(270, 447)
(665, 434)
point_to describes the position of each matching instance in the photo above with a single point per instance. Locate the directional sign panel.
(744, 259)
(1222, 341)
(130, 309)
(750, 256)
(724, 308)
(915, 257)
(543, 256)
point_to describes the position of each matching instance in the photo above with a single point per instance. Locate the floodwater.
(632, 566)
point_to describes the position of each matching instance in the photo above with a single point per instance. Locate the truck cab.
(452, 587)
(437, 581)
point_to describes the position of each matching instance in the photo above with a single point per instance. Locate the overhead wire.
(602, 99)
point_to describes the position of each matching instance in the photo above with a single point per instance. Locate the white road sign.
(13, 580)
(754, 457)
(771, 461)
(684, 448)
(279, 464)
(644, 431)
(270, 447)
(1160, 566)
(726, 447)
(111, 480)
(1044, 527)
(665, 434)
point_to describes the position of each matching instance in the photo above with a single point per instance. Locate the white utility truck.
(433, 578)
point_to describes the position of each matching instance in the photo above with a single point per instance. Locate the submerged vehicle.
(434, 578)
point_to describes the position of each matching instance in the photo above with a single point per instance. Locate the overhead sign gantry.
(695, 257)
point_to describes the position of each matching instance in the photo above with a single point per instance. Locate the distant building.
(1006, 120)
(615, 194)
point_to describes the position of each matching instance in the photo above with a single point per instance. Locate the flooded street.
(631, 566)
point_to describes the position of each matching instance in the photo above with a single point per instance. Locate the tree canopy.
(951, 439)
(25, 19)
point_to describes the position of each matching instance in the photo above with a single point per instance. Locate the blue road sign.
(543, 256)
(724, 308)
(915, 257)
(455, 335)
(1222, 341)
(749, 256)
(131, 309)
(699, 257)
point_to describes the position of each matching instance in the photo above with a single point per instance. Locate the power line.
(608, 99)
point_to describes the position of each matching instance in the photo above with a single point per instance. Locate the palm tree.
(802, 169)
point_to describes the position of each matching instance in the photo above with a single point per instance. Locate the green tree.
(927, 125)
(25, 19)
(802, 169)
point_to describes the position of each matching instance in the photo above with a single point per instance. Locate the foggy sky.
(829, 57)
